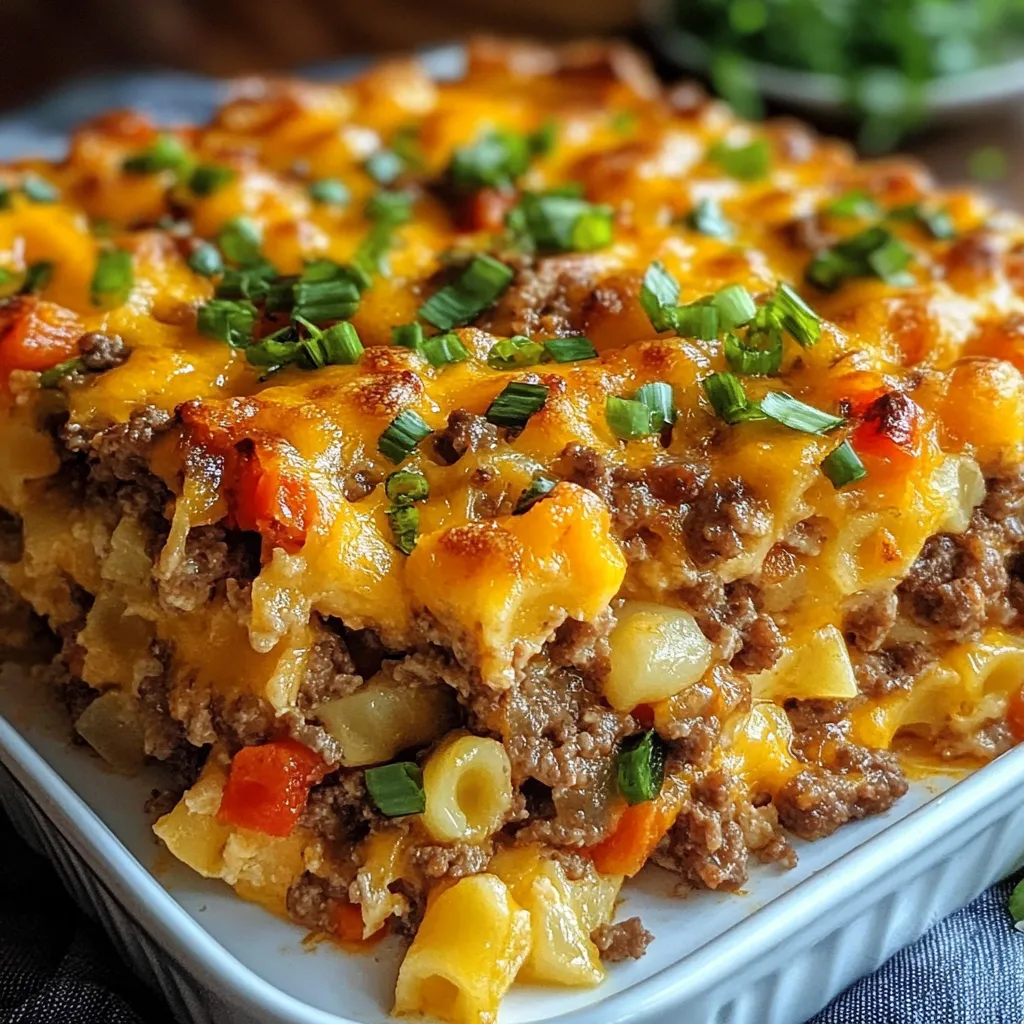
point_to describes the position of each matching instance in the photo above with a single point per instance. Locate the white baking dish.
(771, 956)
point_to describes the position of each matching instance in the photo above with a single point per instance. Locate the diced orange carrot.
(638, 832)
(347, 921)
(35, 335)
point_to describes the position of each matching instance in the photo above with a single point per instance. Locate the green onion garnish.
(328, 192)
(326, 291)
(227, 320)
(854, 204)
(206, 260)
(37, 276)
(404, 432)
(444, 349)
(39, 190)
(167, 153)
(52, 377)
(397, 788)
(209, 178)
(256, 282)
(408, 336)
(496, 160)
(112, 280)
(384, 166)
(513, 353)
(734, 305)
(516, 403)
(659, 294)
(657, 396)
(640, 768)
(561, 223)
(630, 419)
(239, 240)
(392, 208)
(388, 211)
(797, 415)
(405, 526)
(707, 218)
(279, 349)
(480, 286)
(873, 252)
(697, 320)
(570, 350)
(337, 346)
(842, 466)
(405, 485)
(938, 223)
(760, 353)
(542, 141)
(749, 162)
(729, 400)
(540, 485)
(795, 316)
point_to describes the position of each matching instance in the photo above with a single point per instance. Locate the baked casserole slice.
(476, 490)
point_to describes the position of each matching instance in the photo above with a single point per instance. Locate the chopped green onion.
(326, 291)
(206, 260)
(795, 316)
(496, 160)
(240, 240)
(540, 485)
(167, 153)
(227, 320)
(570, 350)
(384, 166)
(640, 769)
(853, 204)
(630, 419)
(749, 162)
(760, 353)
(397, 788)
(797, 415)
(543, 140)
(406, 485)
(256, 282)
(938, 223)
(657, 396)
(52, 377)
(734, 305)
(337, 346)
(516, 403)
(444, 349)
(209, 178)
(405, 525)
(707, 218)
(39, 190)
(112, 280)
(659, 294)
(697, 320)
(561, 223)
(278, 349)
(404, 432)
(842, 466)
(729, 400)
(392, 208)
(480, 285)
(37, 276)
(1017, 906)
(515, 352)
(329, 192)
(408, 336)
(872, 252)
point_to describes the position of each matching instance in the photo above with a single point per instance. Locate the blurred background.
(941, 78)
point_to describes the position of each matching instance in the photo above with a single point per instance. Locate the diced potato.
(466, 954)
(111, 726)
(817, 667)
(960, 485)
(382, 719)
(656, 652)
(756, 747)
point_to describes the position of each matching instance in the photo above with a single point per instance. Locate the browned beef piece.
(627, 940)
(212, 554)
(162, 733)
(723, 515)
(12, 540)
(893, 668)
(454, 862)
(331, 673)
(466, 432)
(339, 809)
(120, 451)
(309, 901)
(869, 617)
(583, 646)
(101, 352)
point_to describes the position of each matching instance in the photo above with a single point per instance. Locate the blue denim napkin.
(967, 970)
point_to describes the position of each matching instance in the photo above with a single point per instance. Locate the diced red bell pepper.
(35, 335)
(485, 209)
(890, 430)
(272, 498)
(1015, 714)
(268, 786)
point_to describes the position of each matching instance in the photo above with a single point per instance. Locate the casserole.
(631, 601)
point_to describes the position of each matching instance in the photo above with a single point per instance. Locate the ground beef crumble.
(627, 940)
(466, 432)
